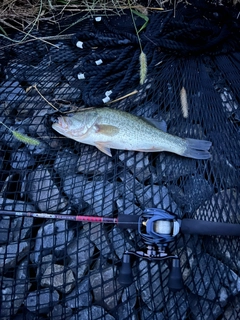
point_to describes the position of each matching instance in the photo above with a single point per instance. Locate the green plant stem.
(135, 27)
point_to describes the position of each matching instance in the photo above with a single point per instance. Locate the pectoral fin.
(103, 148)
(106, 129)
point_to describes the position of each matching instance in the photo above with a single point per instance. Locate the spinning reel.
(157, 228)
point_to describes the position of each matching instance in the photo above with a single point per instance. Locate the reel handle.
(175, 282)
(125, 277)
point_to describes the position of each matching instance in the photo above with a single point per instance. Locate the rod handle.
(201, 227)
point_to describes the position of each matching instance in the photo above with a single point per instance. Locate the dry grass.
(20, 12)
(24, 15)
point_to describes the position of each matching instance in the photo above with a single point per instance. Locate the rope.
(112, 61)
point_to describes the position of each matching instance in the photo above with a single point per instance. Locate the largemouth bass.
(107, 129)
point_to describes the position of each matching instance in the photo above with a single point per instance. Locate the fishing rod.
(156, 227)
(57, 216)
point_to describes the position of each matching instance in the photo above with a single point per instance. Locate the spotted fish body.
(107, 129)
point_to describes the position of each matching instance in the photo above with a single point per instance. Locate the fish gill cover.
(67, 270)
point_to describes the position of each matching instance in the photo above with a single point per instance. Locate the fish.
(107, 128)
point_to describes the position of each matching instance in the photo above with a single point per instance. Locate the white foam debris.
(79, 44)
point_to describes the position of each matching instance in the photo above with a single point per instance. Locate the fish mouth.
(62, 123)
(59, 122)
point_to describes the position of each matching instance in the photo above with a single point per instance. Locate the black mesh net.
(57, 269)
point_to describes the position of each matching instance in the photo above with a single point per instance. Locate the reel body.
(157, 228)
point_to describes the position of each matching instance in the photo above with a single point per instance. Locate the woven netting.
(56, 269)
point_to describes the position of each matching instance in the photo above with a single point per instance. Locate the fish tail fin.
(197, 149)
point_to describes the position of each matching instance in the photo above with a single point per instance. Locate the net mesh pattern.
(68, 270)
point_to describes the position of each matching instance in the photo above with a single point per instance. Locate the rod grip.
(126, 221)
(201, 227)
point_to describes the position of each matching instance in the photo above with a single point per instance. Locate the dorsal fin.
(159, 124)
